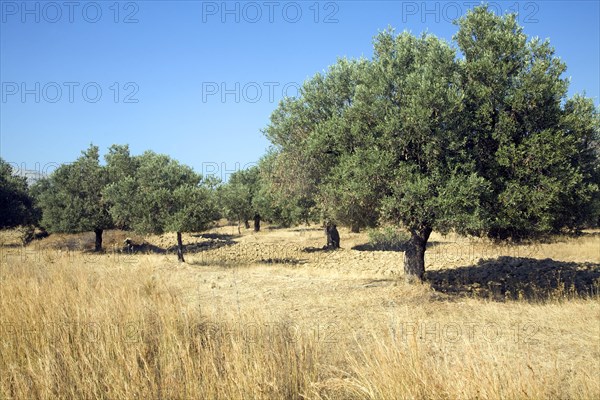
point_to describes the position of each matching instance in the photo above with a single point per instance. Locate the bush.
(388, 238)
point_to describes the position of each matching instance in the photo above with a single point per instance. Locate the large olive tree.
(485, 143)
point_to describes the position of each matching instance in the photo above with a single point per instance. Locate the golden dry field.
(269, 315)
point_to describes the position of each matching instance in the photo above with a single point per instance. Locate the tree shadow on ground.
(385, 247)
(144, 248)
(307, 229)
(513, 278)
(11, 245)
(288, 261)
(215, 241)
(215, 236)
(323, 249)
(199, 247)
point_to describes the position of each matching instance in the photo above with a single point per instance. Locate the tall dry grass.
(112, 330)
(73, 331)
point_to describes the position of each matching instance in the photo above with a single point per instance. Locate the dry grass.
(264, 318)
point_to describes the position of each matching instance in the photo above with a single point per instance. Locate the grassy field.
(270, 316)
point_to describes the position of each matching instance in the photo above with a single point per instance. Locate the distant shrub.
(388, 238)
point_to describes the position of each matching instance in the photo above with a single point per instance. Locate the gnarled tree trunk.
(98, 245)
(354, 228)
(247, 224)
(256, 222)
(333, 236)
(179, 248)
(414, 256)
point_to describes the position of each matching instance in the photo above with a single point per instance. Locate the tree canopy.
(238, 197)
(16, 204)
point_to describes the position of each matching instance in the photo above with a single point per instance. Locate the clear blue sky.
(175, 58)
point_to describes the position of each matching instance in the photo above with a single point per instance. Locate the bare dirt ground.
(282, 271)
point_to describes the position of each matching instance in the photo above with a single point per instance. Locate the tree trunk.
(247, 224)
(28, 234)
(333, 236)
(179, 248)
(354, 228)
(414, 256)
(256, 222)
(98, 233)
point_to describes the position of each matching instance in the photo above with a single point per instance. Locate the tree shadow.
(323, 249)
(200, 247)
(376, 247)
(216, 236)
(144, 248)
(386, 247)
(514, 278)
(11, 245)
(308, 229)
(215, 241)
(288, 261)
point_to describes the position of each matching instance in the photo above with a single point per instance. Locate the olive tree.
(161, 196)
(486, 143)
(16, 203)
(71, 198)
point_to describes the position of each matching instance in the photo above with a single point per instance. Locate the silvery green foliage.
(161, 195)
(71, 197)
(16, 204)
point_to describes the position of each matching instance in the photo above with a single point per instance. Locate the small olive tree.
(162, 195)
(71, 198)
